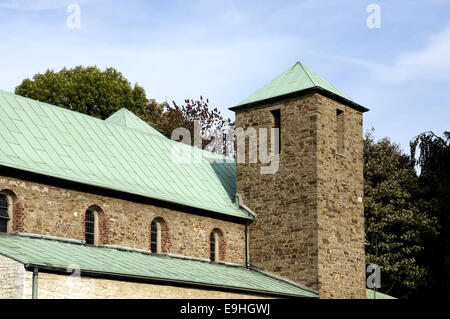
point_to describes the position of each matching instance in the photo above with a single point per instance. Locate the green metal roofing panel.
(58, 255)
(295, 79)
(370, 294)
(121, 153)
(127, 119)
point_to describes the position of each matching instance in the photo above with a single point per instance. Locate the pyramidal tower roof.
(297, 79)
(127, 119)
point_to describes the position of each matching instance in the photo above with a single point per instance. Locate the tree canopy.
(101, 93)
(433, 160)
(86, 90)
(398, 223)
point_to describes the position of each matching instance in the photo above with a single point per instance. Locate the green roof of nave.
(121, 153)
(127, 119)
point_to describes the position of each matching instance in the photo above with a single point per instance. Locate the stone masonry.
(60, 212)
(53, 286)
(12, 279)
(310, 219)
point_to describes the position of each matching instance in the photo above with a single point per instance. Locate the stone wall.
(310, 219)
(12, 279)
(283, 237)
(340, 185)
(60, 212)
(53, 286)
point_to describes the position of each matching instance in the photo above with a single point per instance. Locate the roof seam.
(307, 74)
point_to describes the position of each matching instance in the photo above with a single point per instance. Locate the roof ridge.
(307, 73)
(121, 112)
(60, 108)
(138, 131)
(295, 81)
(53, 106)
(63, 109)
(127, 119)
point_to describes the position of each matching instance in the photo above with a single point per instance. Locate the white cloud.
(432, 62)
(429, 63)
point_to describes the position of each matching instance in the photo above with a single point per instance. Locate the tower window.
(4, 214)
(90, 227)
(340, 131)
(276, 114)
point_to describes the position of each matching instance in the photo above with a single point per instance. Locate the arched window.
(91, 227)
(155, 237)
(214, 246)
(4, 213)
(159, 236)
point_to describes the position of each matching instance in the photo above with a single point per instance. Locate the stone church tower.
(309, 224)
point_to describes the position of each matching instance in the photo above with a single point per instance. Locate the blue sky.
(225, 50)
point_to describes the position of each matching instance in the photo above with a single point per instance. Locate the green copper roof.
(295, 79)
(47, 254)
(370, 294)
(126, 119)
(121, 153)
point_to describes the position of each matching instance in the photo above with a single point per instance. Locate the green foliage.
(434, 163)
(397, 222)
(166, 118)
(86, 90)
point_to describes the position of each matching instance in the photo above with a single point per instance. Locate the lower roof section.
(57, 255)
(377, 295)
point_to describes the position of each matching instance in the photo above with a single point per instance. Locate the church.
(93, 208)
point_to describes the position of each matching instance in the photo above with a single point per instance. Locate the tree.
(434, 180)
(397, 222)
(101, 93)
(85, 89)
(211, 121)
(166, 118)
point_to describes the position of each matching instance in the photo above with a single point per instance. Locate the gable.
(127, 119)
